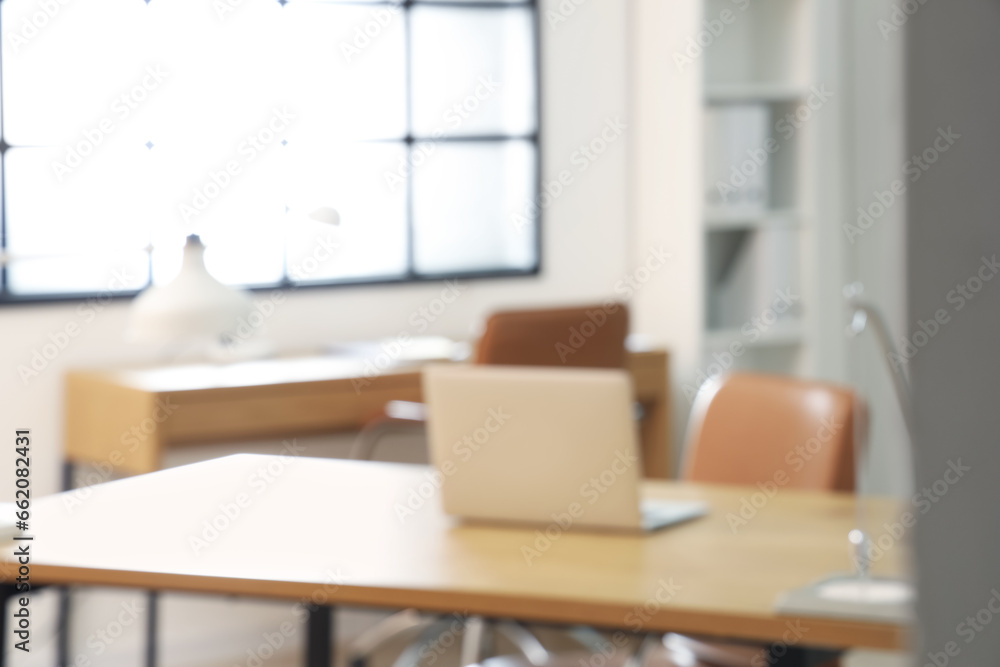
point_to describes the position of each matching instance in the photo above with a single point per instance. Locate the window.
(128, 124)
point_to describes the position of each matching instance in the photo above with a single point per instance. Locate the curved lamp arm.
(866, 313)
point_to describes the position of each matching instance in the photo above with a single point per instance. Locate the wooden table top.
(256, 372)
(347, 363)
(320, 529)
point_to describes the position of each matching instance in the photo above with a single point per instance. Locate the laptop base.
(660, 514)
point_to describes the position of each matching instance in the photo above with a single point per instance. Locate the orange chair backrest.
(592, 337)
(749, 428)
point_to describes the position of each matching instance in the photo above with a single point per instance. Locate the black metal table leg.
(65, 601)
(7, 591)
(62, 627)
(782, 655)
(319, 637)
(67, 475)
(152, 608)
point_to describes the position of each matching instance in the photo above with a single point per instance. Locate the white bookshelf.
(770, 57)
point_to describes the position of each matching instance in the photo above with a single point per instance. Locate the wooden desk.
(127, 418)
(332, 526)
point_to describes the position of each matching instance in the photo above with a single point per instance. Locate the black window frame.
(409, 140)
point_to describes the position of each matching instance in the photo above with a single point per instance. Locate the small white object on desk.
(403, 350)
(852, 596)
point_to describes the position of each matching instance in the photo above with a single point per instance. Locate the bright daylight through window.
(128, 124)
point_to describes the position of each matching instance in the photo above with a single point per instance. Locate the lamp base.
(851, 596)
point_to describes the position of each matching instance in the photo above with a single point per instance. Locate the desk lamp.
(861, 594)
(195, 308)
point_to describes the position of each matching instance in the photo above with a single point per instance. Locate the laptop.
(541, 445)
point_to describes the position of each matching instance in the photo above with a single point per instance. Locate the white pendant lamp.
(194, 306)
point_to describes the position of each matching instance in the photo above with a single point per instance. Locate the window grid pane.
(118, 244)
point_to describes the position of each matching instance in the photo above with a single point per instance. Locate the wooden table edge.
(820, 632)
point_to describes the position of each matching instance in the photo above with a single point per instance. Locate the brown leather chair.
(745, 427)
(589, 337)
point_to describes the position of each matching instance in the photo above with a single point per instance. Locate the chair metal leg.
(397, 416)
(363, 447)
(592, 640)
(649, 642)
(524, 640)
(406, 621)
(412, 653)
(472, 640)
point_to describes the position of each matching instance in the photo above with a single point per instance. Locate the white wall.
(665, 182)
(586, 248)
